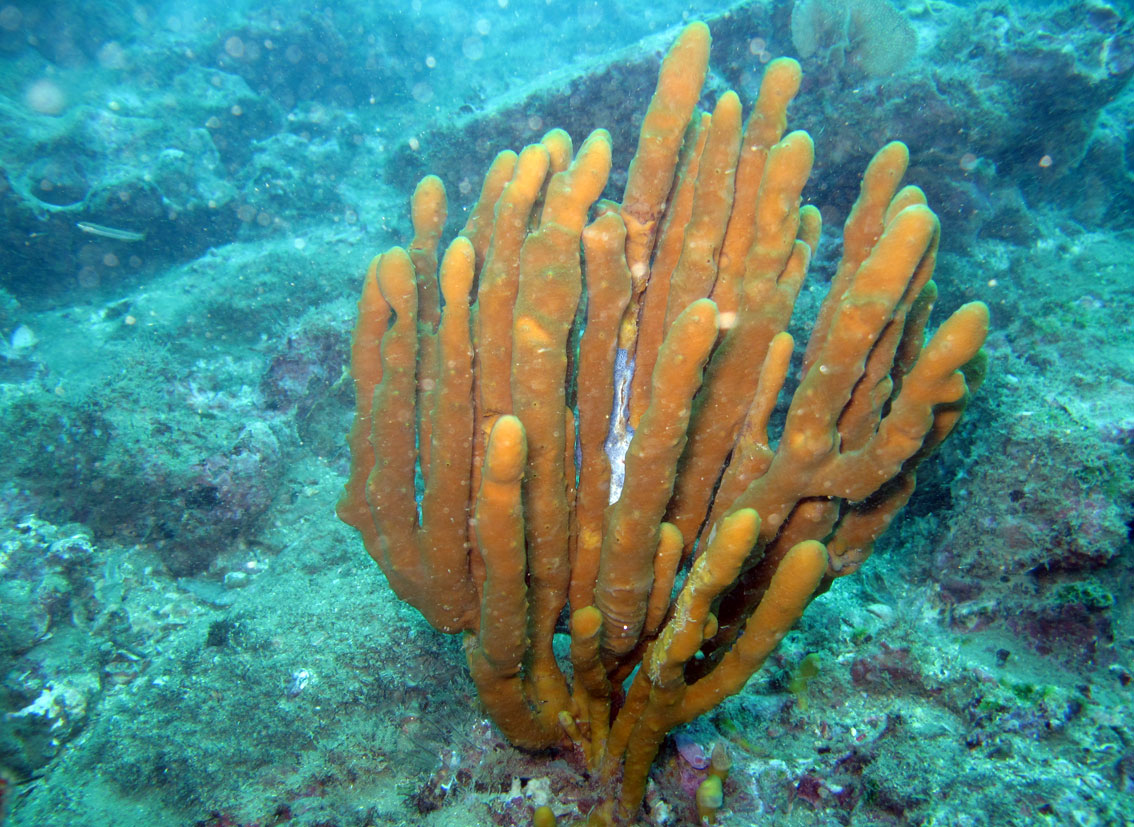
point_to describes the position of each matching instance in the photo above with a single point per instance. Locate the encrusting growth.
(585, 389)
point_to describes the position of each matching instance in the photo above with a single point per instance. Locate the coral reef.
(977, 666)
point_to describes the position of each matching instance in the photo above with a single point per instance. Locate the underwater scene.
(515, 413)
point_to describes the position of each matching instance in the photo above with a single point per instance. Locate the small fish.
(109, 232)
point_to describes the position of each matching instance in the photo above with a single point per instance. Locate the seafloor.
(188, 636)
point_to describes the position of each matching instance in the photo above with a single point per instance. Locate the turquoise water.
(190, 195)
